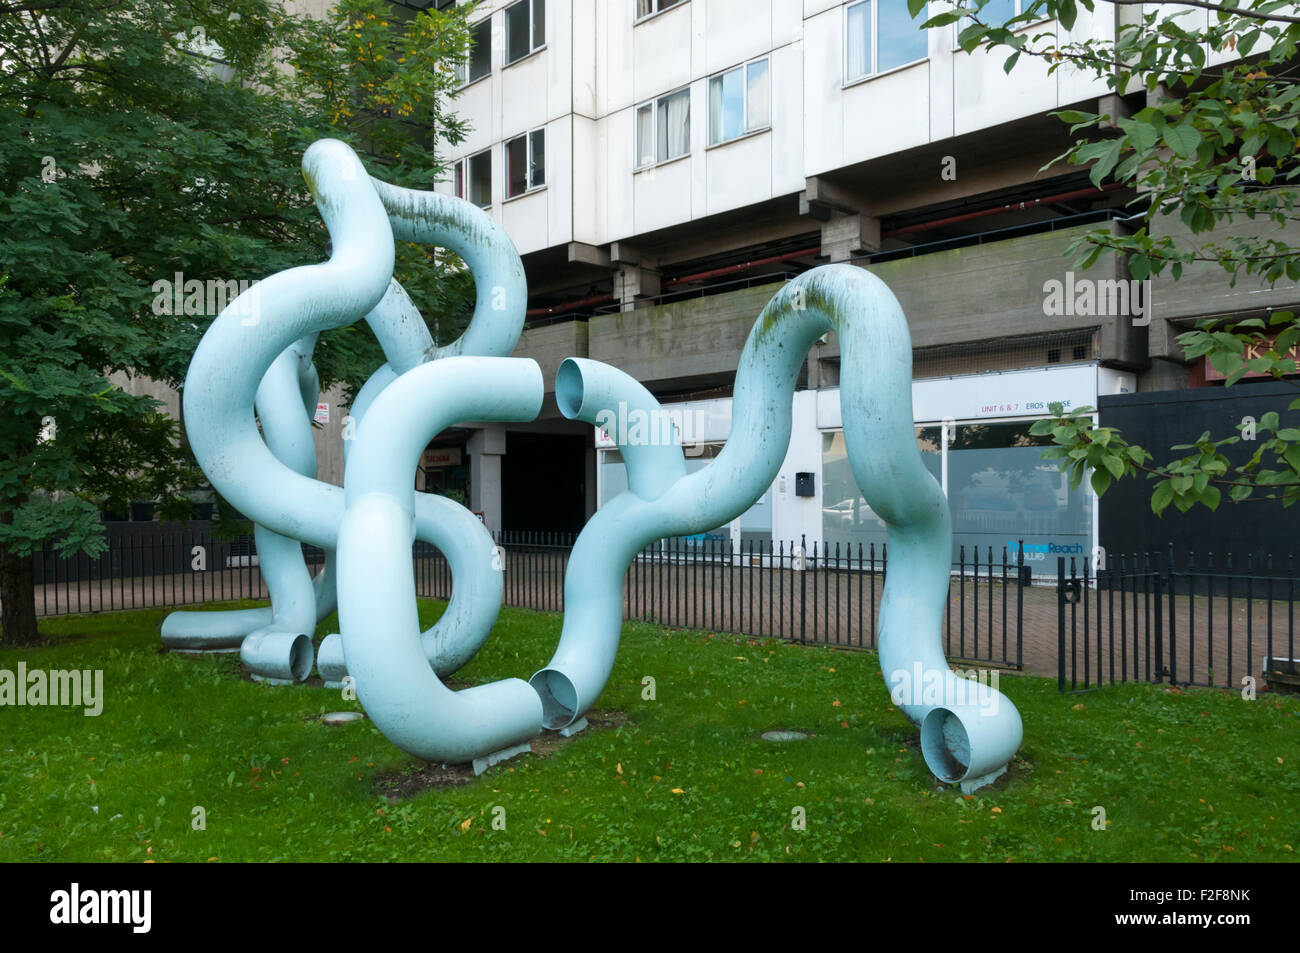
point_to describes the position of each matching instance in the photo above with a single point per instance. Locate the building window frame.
(531, 184)
(656, 7)
(748, 126)
(872, 51)
(536, 14)
(657, 105)
(1018, 7)
(467, 77)
(464, 180)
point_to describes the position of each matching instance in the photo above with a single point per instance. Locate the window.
(525, 28)
(480, 52)
(526, 163)
(738, 102)
(998, 486)
(645, 8)
(474, 179)
(663, 128)
(995, 13)
(880, 35)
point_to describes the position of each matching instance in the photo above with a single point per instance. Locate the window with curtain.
(645, 135)
(663, 128)
(881, 35)
(525, 28)
(480, 52)
(525, 163)
(738, 101)
(857, 41)
(674, 126)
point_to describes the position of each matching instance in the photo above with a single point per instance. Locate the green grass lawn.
(1196, 775)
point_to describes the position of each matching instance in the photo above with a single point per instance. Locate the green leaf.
(1074, 116)
(1100, 481)
(1161, 498)
(1183, 139)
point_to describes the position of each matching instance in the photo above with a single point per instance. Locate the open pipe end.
(300, 657)
(945, 745)
(971, 745)
(569, 389)
(559, 697)
(287, 656)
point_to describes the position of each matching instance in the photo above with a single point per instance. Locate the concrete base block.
(570, 730)
(496, 757)
(972, 785)
(270, 681)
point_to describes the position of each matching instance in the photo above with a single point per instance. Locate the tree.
(1212, 144)
(144, 139)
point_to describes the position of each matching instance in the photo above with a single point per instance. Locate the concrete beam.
(582, 253)
(817, 191)
(845, 236)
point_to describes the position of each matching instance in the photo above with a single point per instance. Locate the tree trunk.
(17, 595)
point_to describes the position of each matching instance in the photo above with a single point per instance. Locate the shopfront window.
(1001, 490)
(846, 517)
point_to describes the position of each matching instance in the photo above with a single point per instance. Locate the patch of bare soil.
(420, 776)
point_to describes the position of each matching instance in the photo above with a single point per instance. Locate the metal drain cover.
(784, 736)
(342, 717)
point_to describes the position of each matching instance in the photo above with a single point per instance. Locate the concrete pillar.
(486, 448)
(636, 275)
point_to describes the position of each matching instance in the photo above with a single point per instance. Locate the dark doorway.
(542, 483)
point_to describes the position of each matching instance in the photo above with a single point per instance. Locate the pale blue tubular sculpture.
(377, 603)
(285, 400)
(493, 331)
(275, 642)
(971, 734)
(968, 731)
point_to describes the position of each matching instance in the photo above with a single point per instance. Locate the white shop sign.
(1002, 394)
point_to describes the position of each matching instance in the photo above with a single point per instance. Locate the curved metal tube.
(972, 730)
(377, 606)
(298, 601)
(234, 353)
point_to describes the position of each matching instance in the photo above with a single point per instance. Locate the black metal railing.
(783, 589)
(786, 589)
(1144, 617)
(145, 565)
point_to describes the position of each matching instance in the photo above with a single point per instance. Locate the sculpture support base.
(974, 784)
(496, 757)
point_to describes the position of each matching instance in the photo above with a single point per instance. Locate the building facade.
(663, 165)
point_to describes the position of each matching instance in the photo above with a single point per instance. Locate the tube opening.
(945, 745)
(300, 657)
(558, 695)
(569, 389)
